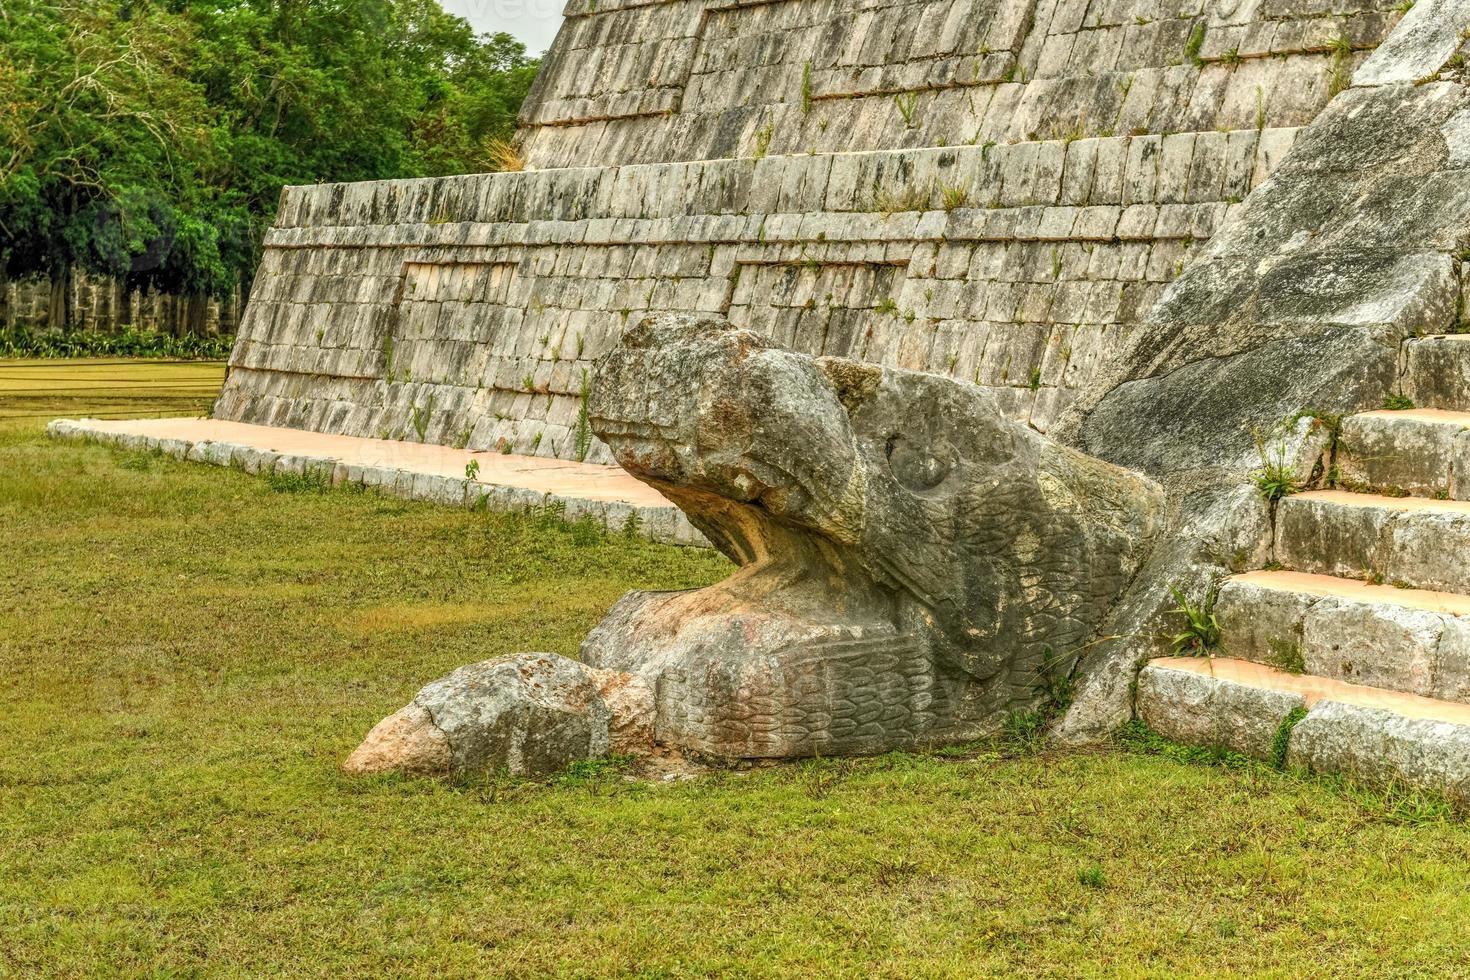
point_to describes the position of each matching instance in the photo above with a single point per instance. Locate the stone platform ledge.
(412, 471)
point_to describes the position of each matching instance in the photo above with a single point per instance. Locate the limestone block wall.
(996, 190)
(467, 311)
(655, 80)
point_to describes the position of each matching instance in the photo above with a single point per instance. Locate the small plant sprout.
(472, 469)
(1276, 477)
(582, 438)
(419, 416)
(1091, 877)
(953, 197)
(1397, 403)
(1201, 632)
(907, 102)
(763, 138)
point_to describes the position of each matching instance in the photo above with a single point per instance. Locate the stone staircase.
(1351, 653)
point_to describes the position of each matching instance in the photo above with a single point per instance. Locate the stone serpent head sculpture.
(912, 564)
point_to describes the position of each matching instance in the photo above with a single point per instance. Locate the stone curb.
(664, 525)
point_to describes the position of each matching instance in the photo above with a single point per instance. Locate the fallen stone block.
(526, 714)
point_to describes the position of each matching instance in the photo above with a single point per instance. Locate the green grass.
(40, 390)
(189, 653)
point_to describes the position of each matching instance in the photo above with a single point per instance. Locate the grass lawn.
(106, 388)
(189, 654)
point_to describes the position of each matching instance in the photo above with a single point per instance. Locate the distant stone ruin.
(1059, 335)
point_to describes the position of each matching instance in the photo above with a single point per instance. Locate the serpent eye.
(916, 467)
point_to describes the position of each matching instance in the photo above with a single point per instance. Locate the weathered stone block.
(1198, 709)
(1399, 451)
(527, 714)
(1262, 625)
(1322, 535)
(1377, 644)
(1437, 371)
(1382, 747)
(1430, 549)
(1429, 34)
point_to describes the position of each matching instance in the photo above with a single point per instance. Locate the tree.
(98, 107)
(149, 139)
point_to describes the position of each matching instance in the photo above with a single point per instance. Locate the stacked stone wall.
(466, 310)
(807, 193)
(635, 81)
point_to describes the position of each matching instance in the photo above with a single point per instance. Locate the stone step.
(1313, 723)
(1422, 452)
(1404, 541)
(1436, 372)
(1413, 641)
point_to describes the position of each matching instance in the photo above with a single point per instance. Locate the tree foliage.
(150, 139)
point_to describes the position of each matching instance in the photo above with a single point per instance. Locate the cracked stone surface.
(527, 714)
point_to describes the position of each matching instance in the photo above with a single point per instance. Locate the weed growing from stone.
(419, 417)
(1281, 741)
(1195, 43)
(582, 436)
(887, 202)
(503, 157)
(907, 102)
(1276, 478)
(1200, 634)
(1275, 481)
(763, 141)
